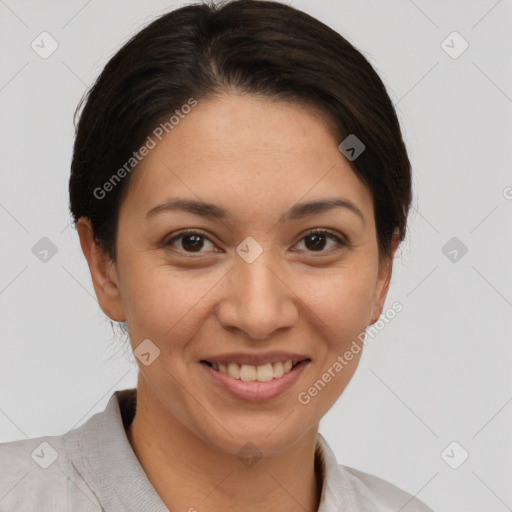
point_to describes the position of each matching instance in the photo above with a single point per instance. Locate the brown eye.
(317, 240)
(188, 241)
(192, 243)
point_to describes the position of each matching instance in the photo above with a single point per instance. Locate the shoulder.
(37, 475)
(357, 491)
(380, 493)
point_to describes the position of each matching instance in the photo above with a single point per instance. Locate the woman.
(240, 186)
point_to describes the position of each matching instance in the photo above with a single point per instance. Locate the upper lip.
(255, 359)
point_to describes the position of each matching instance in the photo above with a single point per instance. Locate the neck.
(189, 473)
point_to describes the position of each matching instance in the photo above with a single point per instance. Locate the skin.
(256, 158)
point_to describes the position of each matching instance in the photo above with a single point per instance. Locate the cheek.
(343, 302)
(162, 303)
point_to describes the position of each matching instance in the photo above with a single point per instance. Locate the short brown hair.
(259, 47)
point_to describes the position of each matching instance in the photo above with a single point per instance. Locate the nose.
(257, 299)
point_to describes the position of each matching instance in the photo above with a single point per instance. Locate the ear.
(103, 272)
(384, 278)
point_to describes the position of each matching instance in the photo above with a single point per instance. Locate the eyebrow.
(298, 211)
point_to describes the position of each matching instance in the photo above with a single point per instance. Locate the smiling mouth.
(261, 373)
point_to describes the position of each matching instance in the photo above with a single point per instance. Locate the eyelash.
(340, 241)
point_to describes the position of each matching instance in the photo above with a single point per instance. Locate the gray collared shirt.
(93, 468)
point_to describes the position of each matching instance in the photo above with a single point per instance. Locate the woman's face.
(249, 281)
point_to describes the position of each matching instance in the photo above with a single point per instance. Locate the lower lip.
(256, 391)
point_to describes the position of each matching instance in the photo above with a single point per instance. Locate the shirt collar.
(102, 454)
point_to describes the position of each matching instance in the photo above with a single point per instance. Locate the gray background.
(438, 373)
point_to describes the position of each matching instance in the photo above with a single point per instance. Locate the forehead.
(249, 146)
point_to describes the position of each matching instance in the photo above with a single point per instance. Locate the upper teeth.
(247, 372)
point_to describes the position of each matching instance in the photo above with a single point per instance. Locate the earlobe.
(384, 278)
(103, 272)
